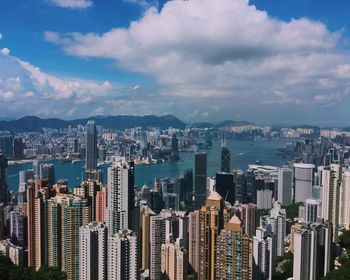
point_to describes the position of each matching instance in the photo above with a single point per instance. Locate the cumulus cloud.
(73, 4)
(228, 52)
(5, 51)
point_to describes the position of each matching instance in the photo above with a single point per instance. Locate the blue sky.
(265, 61)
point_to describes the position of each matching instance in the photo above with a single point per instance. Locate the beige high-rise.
(174, 261)
(233, 252)
(213, 216)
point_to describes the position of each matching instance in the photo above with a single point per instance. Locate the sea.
(242, 154)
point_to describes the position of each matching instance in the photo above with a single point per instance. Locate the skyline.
(123, 58)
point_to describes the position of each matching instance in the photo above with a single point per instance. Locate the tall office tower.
(47, 172)
(18, 148)
(233, 252)
(200, 177)
(345, 200)
(276, 222)
(225, 160)
(264, 199)
(91, 146)
(17, 228)
(188, 178)
(174, 260)
(174, 148)
(331, 184)
(247, 214)
(94, 175)
(144, 236)
(213, 216)
(121, 196)
(312, 210)
(6, 145)
(4, 196)
(312, 251)
(225, 186)
(303, 181)
(36, 169)
(285, 186)
(123, 257)
(263, 254)
(240, 186)
(75, 213)
(75, 147)
(193, 234)
(101, 205)
(25, 175)
(93, 252)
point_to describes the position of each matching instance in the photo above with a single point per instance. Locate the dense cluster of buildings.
(234, 225)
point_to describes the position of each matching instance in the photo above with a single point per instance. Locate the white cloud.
(6, 96)
(5, 51)
(1, 36)
(73, 4)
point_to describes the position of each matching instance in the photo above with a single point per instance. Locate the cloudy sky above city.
(264, 61)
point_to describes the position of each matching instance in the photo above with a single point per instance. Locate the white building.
(312, 251)
(312, 210)
(13, 252)
(331, 184)
(120, 202)
(285, 185)
(263, 254)
(303, 181)
(93, 251)
(264, 199)
(123, 256)
(345, 200)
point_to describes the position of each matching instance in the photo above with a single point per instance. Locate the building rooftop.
(214, 196)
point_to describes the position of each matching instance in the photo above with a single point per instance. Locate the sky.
(264, 61)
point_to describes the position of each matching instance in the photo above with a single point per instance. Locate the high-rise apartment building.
(264, 257)
(247, 214)
(91, 146)
(303, 181)
(17, 228)
(144, 236)
(285, 186)
(174, 259)
(213, 216)
(101, 204)
(200, 177)
(233, 252)
(121, 196)
(312, 251)
(123, 257)
(312, 210)
(345, 200)
(193, 235)
(93, 252)
(264, 199)
(331, 184)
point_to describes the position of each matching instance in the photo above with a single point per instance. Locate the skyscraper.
(3, 184)
(93, 252)
(312, 210)
(263, 254)
(264, 199)
(123, 257)
(6, 145)
(225, 160)
(312, 251)
(174, 148)
(174, 261)
(193, 233)
(285, 184)
(200, 170)
(331, 181)
(121, 196)
(91, 146)
(233, 252)
(225, 186)
(213, 216)
(17, 228)
(101, 205)
(247, 214)
(303, 181)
